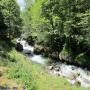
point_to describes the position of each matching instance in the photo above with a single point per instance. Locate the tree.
(71, 20)
(10, 21)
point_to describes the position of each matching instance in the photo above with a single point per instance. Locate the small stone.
(58, 74)
(57, 69)
(78, 74)
(73, 68)
(50, 67)
(78, 83)
(88, 73)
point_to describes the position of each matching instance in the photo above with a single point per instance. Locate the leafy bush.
(31, 40)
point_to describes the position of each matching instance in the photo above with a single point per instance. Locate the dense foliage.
(63, 26)
(10, 21)
(71, 20)
(56, 28)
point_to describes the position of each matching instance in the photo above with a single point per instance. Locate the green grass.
(35, 77)
(32, 76)
(20, 70)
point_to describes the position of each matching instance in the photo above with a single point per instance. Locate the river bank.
(75, 75)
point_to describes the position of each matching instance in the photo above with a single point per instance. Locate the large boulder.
(54, 55)
(65, 56)
(38, 49)
(19, 47)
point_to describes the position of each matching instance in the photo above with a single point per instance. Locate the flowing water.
(71, 72)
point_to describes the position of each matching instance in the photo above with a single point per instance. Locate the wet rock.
(78, 74)
(38, 49)
(55, 55)
(73, 77)
(29, 53)
(73, 68)
(19, 47)
(50, 67)
(65, 56)
(53, 64)
(45, 49)
(78, 83)
(72, 82)
(58, 74)
(57, 69)
(88, 72)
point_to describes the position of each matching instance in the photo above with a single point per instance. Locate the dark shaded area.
(19, 47)
(31, 40)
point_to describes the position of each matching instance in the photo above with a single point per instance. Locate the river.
(73, 73)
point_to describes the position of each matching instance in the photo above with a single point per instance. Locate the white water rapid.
(27, 48)
(71, 72)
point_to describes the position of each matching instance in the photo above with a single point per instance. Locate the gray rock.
(1, 73)
(19, 47)
(50, 67)
(58, 74)
(78, 83)
(88, 73)
(72, 82)
(73, 68)
(57, 69)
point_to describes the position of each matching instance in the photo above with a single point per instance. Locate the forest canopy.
(63, 25)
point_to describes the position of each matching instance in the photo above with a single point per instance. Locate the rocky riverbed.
(75, 75)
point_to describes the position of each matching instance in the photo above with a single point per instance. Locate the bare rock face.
(58, 74)
(75, 82)
(19, 47)
(64, 56)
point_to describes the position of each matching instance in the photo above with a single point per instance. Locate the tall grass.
(20, 71)
(33, 76)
